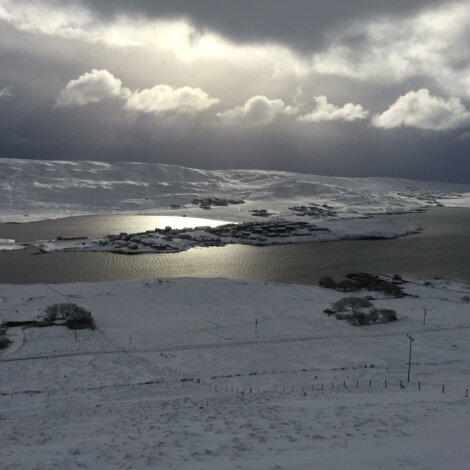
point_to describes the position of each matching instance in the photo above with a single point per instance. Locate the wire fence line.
(179, 377)
(308, 390)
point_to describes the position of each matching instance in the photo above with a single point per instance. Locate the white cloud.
(433, 44)
(97, 85)
(258, 110)
(91, 87)
(177, 38)
(164, 98)
(6, 93)
(422, 110)
(325, 111)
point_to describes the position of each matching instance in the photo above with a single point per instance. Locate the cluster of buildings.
(173, 240)
(264, 232)
(314, 210)
(208, 202)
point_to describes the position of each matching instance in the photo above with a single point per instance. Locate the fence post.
(385, 383)
(370, 383)
(466, 393)
(332, 385)
(443, 389)
(357, 383)
(419, 385)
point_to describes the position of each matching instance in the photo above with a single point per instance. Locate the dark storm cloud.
(39, 65)
(303, 24)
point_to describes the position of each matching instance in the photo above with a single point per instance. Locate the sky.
(337, 87)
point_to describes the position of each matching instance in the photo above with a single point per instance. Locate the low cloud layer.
(422, 110)
(6, 93)
(91, 87)
(324, 111)
(229, 85)
(99, 85)
(164, 98)
(258, 110)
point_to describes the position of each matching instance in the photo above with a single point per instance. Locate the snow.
(463, 200)
(181, 240)
(9, 245)
(211, 374)
(38, 189)
(343, 206)
(155, 385)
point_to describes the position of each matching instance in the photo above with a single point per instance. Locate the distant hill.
(38, 189)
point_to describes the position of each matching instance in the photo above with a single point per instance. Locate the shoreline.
(440, 250)
(360, 227)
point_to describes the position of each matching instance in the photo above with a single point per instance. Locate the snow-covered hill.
(34, 189)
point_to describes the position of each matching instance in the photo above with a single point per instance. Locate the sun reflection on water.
(178, 222)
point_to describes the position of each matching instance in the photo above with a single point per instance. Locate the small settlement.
(170, 240)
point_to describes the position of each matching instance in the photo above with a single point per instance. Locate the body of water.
(96, 226)
(442, 249)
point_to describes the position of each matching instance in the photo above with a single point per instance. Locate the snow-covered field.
(178, 374)
(217, 374)
(35, 190)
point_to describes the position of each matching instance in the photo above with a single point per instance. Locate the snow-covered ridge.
(39, 189)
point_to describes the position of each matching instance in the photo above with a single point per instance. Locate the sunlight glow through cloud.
(177, 37)
(313, 87)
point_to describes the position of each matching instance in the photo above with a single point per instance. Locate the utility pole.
(409, 356)
(256, 327)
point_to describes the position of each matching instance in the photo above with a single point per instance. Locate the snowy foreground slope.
(33, 190)
(178, 375)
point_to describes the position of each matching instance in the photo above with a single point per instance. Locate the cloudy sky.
(343, 87)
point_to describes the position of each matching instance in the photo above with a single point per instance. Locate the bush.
(73, 314)
(327, 282)
(51, 313)
(348, 286)
(353, 303)
(373, 316)
(376, 315)
(466, 299)
(4, 342)
(359, 319)
(392, 290)
(388, 315)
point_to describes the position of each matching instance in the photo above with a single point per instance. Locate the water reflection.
(161, 221)
(95, 226)
(441, 249)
